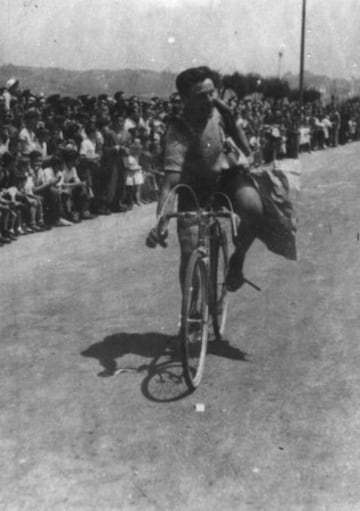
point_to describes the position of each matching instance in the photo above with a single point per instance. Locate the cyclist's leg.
(188, 240)
(188, 234)
(248, 205)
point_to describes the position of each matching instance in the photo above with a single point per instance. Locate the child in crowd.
(11, 209)
(134, 174)
(24, 192)
(150, 188)
(8, 215)
(304, 136)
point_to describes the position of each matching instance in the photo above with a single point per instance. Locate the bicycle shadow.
(224, 349)
(164, 380)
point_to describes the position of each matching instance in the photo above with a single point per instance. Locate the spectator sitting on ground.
(29, 169)
(45, 180)
(32, 217)
(74, 194)
(8, 215)
(17, 209)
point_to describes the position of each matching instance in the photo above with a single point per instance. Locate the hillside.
(338, 86)
(73, 83)
(140, 82)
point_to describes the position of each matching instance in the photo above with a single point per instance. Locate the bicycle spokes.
(194, 329)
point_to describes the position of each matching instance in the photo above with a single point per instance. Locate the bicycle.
(204, 290)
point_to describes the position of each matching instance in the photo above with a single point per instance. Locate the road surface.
(94, 411)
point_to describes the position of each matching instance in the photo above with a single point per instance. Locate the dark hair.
(186, 79)
(56, 159)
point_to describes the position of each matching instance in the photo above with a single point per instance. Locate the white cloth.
(28, 141)
(68, 176)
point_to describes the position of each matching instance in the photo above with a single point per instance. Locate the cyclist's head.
(197, 87)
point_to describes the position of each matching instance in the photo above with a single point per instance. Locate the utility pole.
(280, 55)
(302, 52)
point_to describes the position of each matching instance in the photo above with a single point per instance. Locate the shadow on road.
(224, 349)
(164, 381)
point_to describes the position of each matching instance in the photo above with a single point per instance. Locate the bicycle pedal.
(252, 284)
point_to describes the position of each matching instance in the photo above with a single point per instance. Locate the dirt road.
(281, 427)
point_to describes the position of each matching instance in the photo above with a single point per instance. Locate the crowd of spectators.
(66, 159)
(314, 126)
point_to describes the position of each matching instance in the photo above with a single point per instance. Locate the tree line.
(246, 84)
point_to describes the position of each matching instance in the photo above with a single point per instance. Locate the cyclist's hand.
(155, 237)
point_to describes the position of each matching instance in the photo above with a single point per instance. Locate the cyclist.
(197, 154)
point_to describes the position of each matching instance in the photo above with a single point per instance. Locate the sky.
(228, 35)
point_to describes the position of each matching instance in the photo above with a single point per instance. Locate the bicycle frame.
(203, 290)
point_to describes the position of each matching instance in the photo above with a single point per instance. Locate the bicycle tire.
(195, 319)
(219, 264)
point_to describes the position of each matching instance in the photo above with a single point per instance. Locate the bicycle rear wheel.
(194, 319)
(219, 264)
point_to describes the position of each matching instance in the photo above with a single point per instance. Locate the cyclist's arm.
(159, 233)
(176, 147)
(171, 179)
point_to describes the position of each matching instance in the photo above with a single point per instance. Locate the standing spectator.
(134, 119)
(43, 137)
(112, 169)
(10, 92)
(4, 140)
(327, 126)
(123, 138)
(335, 120)
(11, 133)
(28, 141)
(133, 182)
(90, 154)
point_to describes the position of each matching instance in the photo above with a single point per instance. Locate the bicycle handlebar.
(199, 214)
(202, 214)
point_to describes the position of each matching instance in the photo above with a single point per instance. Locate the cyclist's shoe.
(235, 277)
(155, 238)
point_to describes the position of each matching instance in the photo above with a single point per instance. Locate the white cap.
(11, 82)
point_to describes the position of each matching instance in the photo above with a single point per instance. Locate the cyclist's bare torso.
(196, 153)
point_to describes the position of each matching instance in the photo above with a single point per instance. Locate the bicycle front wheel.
(219, 263)
(194, 319)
